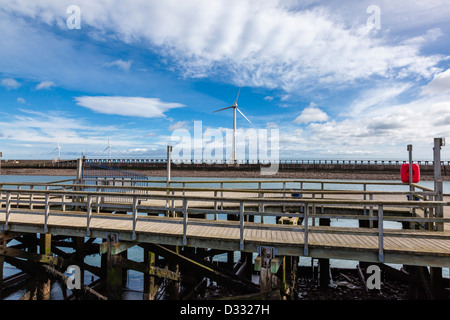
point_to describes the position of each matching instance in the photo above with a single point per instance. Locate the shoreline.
(321, 175)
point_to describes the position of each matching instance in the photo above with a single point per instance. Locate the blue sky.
(333, 86)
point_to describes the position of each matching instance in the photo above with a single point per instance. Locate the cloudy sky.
(338, 79)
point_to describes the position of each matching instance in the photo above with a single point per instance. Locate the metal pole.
(169, 150)
(411, 188)
(439, 213)
(438, 143)
(234, 135)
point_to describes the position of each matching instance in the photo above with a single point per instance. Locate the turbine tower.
(234, 107)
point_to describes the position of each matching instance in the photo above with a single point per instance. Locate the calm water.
(135, 279)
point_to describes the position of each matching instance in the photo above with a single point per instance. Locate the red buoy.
(404, 173)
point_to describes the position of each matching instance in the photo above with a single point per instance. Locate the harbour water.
(135, 279)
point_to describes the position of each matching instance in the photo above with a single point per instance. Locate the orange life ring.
(404, 173)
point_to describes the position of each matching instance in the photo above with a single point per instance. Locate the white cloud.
(10, 83)
(311, 114)
(368, 99)
(179, 125)
(45, 85)
(121, 64)
(252, 42)
(439, 85)
(21, 100)
(127, 106)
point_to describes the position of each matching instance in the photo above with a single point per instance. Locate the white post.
(305, 219)
(135, 201)
(47, 211)
(185, 221)
(380, 234)
(169, 150)
(241, 225)
(7, 209)
(88, 214)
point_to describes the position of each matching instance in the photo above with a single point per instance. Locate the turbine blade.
(222, 109)
(106, 149)
(238, 94)
(243, 115)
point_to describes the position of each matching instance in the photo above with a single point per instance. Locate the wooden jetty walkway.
(291, 219)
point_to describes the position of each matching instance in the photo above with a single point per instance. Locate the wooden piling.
(114, 270)
(324, 264)
(44, 283)
(150, 287)
(78, 243)
(2, 262)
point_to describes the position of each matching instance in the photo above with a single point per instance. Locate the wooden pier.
(181, 226)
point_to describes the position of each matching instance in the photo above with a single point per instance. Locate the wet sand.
(320, 175)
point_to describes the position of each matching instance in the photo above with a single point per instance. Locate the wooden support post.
(247, 257)
(324, 264)
(79, 255)
(150, 288)
(2, 262)
(269, 286)
(175, 288)
(291, 264)
(114, 270)
(436, 283)
(44, 284)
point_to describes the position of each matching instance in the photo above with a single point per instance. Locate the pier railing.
(177, 206)
(259, 161)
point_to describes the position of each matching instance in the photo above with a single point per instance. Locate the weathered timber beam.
(35, 257)
(151, 270)
(6, 236)
(116, 248)
(240, 285)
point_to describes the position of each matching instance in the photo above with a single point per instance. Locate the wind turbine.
(234, 107)
(59, 151)
(108, 147)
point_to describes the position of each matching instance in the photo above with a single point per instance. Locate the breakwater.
(332, 166)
